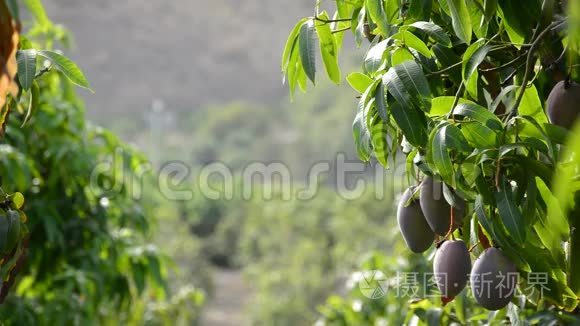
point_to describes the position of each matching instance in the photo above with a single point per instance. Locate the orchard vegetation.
(476, 99)
(73, 252)
(480, 99)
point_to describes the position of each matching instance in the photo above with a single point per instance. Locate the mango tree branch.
(529, 62)
(328, 21)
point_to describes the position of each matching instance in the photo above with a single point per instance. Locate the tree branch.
(341, 30)
(529, 62)
(328, 21)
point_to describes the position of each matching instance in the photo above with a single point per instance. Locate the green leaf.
(358, 31)
(33, 102)
(511, 22)
(510, 214)
(379, 141)
(411, 123)
(343, 8)
(476, 14)
(367, 102)
(397, 89)
(24, 43)
(401, 55)
(434, 31)
(574, 26)
(441, 105)
(420, 10)
(478, 113)
(392, 10)
(18, 200)
(504, 92)
(377, 11)
(557, 134)
(335, 26)
(472, 85)
(456, 141)
(484, 220)
(361, 135)
(301, 76)
(415, 83)
(484, 190)
(528, 126)
(556, 222)
(460, 19)
(523, 146)
(532, 106)
(293, 69)
(67, 67)
(478, 135)
(473, 57)
(375, 56)
(413, 42)
(290, 44)
(566, 178)
(328, 49)
(440, 155)
(307, 42)
(489, 9)
(380, 101)
(448, 58)
(26, 60)
(359, 81)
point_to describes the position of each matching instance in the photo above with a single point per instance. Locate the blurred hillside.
(189, 53)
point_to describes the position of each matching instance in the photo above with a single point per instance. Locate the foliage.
(460, 86)
(298, 252)
(88, 260)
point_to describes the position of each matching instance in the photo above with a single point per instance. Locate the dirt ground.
(228, 303)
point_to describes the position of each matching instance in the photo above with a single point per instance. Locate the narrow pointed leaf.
(376, 9)
(375, 56)
(307, 42)
(478, 113)
(33, 102)
(379, 140)
(460, 19)
(478, 135)
(434, 31)
(396, 88)
(532, 105)
(290, 44)
(473, 57)
(67, 67)
(510, 215)
(415, 83)
(413, 42)
(442, 105)
(361, 136)
(380, 101)
(328, 49)
(359, 81)
(440, 155)
(411, 123)
(26, 60)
